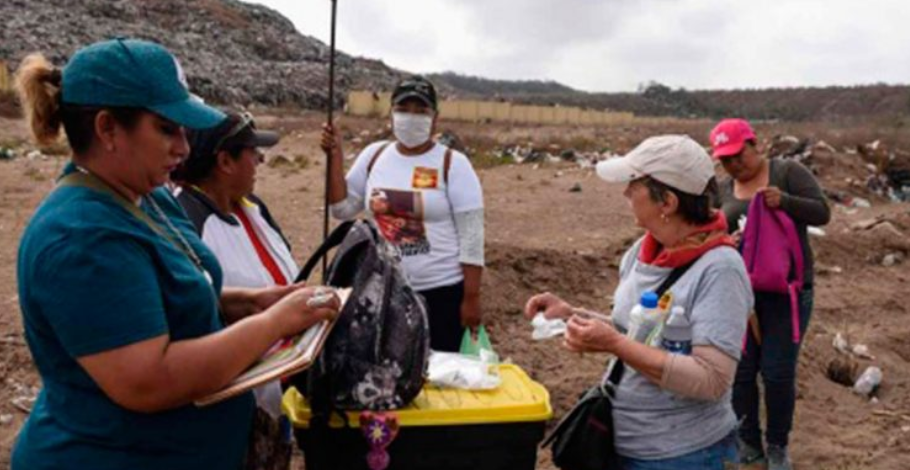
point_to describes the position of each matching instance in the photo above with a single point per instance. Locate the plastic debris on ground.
(868, 382)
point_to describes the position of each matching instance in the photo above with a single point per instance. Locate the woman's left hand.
(264, 298)
(773, 196)
(591, 335)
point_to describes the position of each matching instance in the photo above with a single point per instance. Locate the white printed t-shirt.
(408, 199)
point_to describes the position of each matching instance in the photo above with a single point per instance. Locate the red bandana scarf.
(709, 236)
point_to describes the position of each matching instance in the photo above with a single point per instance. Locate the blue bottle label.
(677, 347)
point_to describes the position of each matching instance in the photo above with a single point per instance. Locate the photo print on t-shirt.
(425, 178)
(399, 216)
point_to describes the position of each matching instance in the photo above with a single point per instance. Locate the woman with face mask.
(432, 208)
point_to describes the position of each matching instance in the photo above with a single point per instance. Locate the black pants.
(776, 360)
(444, 310)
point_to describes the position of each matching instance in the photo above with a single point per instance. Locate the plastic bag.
(544, 328)
(464, 372)
(472, 347)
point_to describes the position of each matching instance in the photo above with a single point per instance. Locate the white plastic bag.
(464, 372)
(544, 328)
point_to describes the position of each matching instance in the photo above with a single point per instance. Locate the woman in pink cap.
(788, 186)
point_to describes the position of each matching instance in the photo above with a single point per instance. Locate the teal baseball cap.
(137, 74)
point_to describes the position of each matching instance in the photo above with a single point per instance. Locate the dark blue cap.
(136, 74)
(649, 300)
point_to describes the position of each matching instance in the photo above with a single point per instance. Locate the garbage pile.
(887, 171)
(890, 168)
(552, 154)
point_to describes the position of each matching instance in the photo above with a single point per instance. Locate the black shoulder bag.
(583, 439)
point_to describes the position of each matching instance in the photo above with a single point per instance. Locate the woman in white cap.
(122, 303)
(672, 405)
(431, 209)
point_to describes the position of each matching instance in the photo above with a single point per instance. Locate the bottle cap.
(678, 317)
(649, 300)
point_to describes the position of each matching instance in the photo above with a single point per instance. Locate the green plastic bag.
(472, 347)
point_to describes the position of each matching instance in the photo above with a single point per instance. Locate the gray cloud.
(614, 45)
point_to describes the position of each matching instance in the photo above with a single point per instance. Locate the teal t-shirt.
(93, 277)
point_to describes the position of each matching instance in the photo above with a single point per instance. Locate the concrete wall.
(364, 103)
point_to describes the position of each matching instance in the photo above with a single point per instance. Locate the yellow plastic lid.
(517, 399)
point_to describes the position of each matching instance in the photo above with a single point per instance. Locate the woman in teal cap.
(122, 304)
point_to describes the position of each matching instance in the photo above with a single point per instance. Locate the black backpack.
(377, 354)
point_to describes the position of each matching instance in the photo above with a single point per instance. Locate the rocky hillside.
(233, 52)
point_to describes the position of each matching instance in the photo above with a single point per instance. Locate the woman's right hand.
(551, 306)
(294, 312)
(331, 141)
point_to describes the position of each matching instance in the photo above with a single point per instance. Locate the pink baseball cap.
(729, 136)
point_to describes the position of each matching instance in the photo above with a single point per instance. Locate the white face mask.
(412, 130)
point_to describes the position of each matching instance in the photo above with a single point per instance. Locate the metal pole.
(331, 106)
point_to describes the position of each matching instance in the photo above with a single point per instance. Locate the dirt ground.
(541, 236)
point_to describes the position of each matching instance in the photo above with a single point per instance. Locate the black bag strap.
(376, 155)
(446, 165)
(617, 367)
(334, 239)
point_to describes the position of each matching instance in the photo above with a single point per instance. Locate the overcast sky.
(614, 45)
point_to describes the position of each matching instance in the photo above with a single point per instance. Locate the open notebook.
(286, 358)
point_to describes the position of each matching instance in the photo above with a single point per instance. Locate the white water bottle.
(868, 381)
(644, 317)
(677, 333)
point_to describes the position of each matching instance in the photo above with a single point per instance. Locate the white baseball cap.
(674, 160)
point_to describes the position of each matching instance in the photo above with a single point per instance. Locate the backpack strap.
(796, 285)
(446, 164)
(334, 239)
(376, 155)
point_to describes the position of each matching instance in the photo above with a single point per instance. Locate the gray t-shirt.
(652, 423)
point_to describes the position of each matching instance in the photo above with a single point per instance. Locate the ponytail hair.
(38, 85)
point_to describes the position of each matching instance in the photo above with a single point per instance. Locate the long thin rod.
(331, 113)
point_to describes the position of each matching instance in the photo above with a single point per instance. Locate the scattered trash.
(7, 153)
(35, 155)
(822, 269)
(840, 344)
(861, 350)
(5, 419)
(868, 382)
(452, 141)
(558, 174)
(861, 203)
(576, 188)
(816, 231)
(892, 259)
